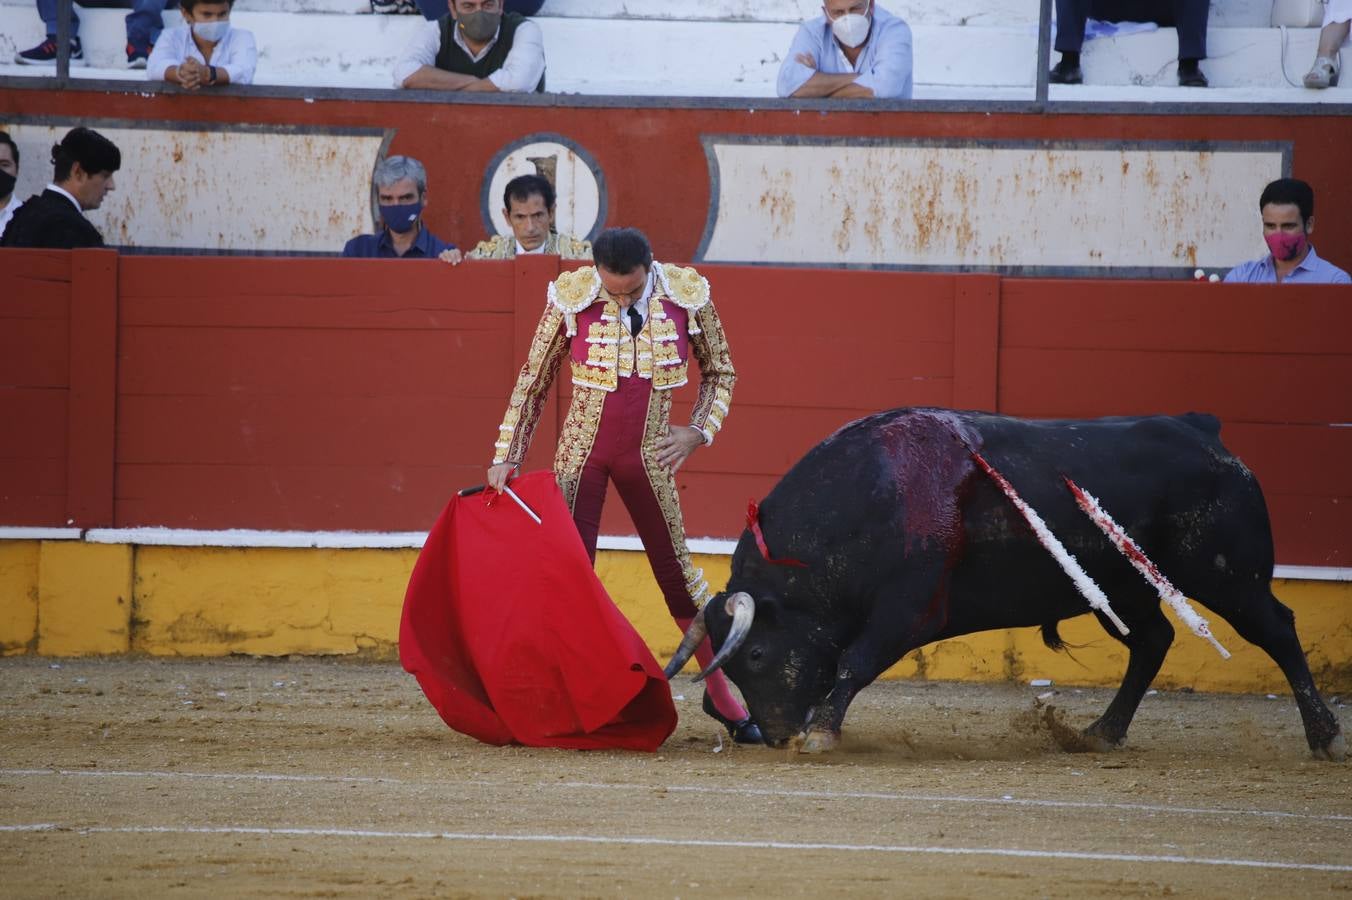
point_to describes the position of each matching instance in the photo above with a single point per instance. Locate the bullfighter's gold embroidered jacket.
(581, 323)
(503, 246)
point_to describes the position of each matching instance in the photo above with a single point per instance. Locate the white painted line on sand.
(639, 841)
(948, 798)
(701, 789)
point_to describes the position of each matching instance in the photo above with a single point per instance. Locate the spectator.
(401, 192)
(857, 49)
(1287, 208)
(1337, 24)
(205, 51)
(528, 207)
(84, 164)
(1189, 16)
(435, 9)
(143, 28)
(476, 47)
(9, 174)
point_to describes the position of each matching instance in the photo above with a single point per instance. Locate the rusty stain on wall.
(986, 206)
(231, 190)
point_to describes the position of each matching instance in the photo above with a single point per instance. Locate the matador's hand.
(679, 443)
(498, 475)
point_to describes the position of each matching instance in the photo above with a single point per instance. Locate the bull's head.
(781, 672)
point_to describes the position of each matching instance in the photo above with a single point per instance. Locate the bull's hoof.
(818, 742)
(1334, 751)
(1088, 742)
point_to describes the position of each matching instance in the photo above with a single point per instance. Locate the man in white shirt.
(205, 51)
(9, 175)
(856, 50)
(528, 207)
(477, 47)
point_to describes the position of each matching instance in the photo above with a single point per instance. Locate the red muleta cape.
(514, 640)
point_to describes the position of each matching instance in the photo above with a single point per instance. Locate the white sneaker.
(1323, 74)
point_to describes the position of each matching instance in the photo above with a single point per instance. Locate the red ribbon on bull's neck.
(753, 523)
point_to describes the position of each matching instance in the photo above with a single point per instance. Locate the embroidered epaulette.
(687, 288)
(496, 247)
(573, 292)
(573, 248)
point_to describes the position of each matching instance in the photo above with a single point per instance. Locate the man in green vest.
(477, 47)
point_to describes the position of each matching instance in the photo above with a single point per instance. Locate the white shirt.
(7, 211)
(236, 54)
(522, 251)
(520, 72)
(884, 65)
(68, 195)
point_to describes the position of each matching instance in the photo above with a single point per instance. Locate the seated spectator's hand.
(452, 256)
(807, 60)
(191, 74)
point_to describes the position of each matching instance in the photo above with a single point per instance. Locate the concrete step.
(652, 57)
(970, 13)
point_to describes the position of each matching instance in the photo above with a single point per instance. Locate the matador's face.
(625, 287)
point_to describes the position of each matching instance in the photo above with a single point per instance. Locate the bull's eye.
(755, 654)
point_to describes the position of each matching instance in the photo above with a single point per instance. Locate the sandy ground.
(328, 779)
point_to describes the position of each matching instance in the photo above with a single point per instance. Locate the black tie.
(635, 321)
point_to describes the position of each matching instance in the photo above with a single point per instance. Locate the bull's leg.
(878, 645)
(1151, 635)
(1267, 623)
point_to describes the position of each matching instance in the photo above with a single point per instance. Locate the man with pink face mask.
(855, 50)
(1287, 207)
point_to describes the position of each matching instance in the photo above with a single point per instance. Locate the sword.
(521, 503)
(480, 488)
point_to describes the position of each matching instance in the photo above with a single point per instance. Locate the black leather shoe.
(743, 732)
(1065, 73)
(1190, 74)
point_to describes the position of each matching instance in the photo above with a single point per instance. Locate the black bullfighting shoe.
(743, 732)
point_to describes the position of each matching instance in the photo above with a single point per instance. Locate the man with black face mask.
(401, 193)
(477, 47)
(9, 174)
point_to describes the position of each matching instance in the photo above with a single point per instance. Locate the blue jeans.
(144, 22)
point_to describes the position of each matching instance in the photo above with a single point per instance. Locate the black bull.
(904, 541)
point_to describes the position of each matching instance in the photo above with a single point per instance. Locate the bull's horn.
(694, 636)
(743, 610)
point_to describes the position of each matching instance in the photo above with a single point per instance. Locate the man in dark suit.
(84, 164)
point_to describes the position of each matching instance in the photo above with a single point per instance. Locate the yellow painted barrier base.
(69, 598)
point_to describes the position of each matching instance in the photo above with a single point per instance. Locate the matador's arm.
(548, 348)
(717, 376)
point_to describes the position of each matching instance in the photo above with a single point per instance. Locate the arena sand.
(309, 778)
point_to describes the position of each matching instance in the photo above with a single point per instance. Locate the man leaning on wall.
(477, 47)
(1287, 210)
(854, 50)
(528, 206)
(83, 166)
(400, 185)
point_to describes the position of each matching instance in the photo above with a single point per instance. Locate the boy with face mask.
(1287, 208)
(477, 47)
(854, 50)
(205, 51)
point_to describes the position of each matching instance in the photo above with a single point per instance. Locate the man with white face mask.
(205, 51)
(855, 50)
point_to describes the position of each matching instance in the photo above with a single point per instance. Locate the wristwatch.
(212, 71)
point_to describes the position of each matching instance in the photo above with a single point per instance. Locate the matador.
(627, 327)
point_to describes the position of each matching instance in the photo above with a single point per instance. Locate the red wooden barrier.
(34, 383)
(357, 394)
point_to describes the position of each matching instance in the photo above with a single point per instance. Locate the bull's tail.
(1051, 637)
